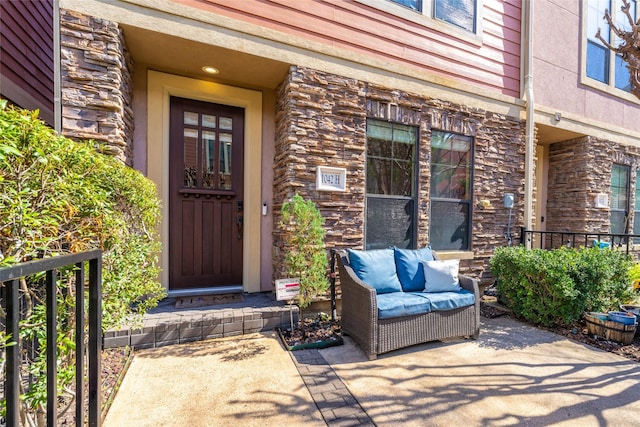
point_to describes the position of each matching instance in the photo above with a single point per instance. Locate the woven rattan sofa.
(360, 317)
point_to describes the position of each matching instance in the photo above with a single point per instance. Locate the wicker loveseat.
(444, 315)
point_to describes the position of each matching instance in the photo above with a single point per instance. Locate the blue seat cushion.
(440, 301)
(409, 267)
(398, 304)
(376, 268)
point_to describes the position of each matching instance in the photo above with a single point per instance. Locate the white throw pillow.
(441, 276)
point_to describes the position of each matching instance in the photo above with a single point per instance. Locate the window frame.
(609, 86)
(426, 17)
(468, 201)
(636, 207)
(414, 184)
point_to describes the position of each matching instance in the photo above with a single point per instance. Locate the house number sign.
(331, 179)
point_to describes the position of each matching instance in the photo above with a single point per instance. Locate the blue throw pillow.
(409, 267)
(376, 268)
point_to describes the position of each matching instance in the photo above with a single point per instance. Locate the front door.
(206, 194)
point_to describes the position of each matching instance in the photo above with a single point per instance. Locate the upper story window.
(411, 4)
(601, 64)
(461, 13)
(444, 15)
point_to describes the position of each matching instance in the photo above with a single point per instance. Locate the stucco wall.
(96, 86)
(321, 120)
(558, 76)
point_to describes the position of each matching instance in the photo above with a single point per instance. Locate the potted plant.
(306, 259)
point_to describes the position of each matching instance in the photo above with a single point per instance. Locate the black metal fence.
(556, 239)
(10, 279)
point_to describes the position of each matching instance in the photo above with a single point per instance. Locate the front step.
(167, 325)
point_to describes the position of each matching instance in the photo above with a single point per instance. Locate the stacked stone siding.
(96, 83)
(321, 121)
(579, 169)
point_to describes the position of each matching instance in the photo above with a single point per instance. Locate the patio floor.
(514, 374)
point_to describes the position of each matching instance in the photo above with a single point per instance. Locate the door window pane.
(208, 121)
(190, 118)
(226, 123)
(208, 161)
(190, 157)
(225, 161)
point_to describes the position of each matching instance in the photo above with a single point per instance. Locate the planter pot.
(622, 317)
(634, 309)
(337, 340)
(600, 325)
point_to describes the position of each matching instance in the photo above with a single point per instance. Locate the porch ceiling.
(551, 134)
(184, 57)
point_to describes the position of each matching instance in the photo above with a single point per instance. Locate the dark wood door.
(206, 194)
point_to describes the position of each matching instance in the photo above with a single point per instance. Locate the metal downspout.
(57, 91)
(530, 125)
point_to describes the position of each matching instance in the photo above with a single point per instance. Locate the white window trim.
(609, 88)
(427, 19)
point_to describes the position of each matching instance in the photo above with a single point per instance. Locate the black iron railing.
(9, 279)
(555, 239)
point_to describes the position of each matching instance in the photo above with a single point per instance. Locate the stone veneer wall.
(96, 83)
(578, 170)
(321, 121)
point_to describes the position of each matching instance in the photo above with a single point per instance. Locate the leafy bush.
(558, 286)
(305, 256)
(58, 196)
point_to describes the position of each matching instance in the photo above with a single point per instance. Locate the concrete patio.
(513, 375)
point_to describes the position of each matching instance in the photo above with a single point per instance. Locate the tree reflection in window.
(391, 172)
(451, 193)
(390, 158)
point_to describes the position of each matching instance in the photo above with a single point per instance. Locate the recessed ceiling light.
(210, 70)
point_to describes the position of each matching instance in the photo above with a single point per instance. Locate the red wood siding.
(493, 64)
(26, 49)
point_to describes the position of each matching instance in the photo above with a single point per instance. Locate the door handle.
(239, 220)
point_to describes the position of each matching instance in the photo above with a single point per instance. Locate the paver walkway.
(332, 397)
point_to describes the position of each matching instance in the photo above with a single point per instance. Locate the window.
(451, 191)
(411, 4)
(462, 14)
(619, 198)
(391, 185)
(601, 64)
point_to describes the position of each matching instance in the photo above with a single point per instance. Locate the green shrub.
(305, 255)
(558, 286)
(59, 196)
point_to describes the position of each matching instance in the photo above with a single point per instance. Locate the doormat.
(204, 300)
